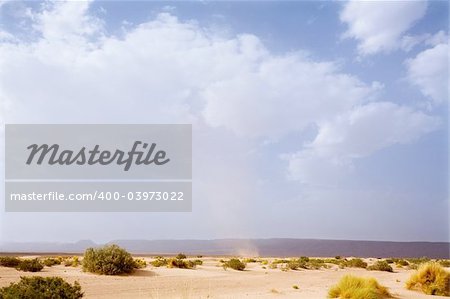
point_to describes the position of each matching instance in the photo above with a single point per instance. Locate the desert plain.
(211, 280)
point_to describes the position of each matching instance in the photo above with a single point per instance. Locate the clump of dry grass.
(431, 278)
(352, 287)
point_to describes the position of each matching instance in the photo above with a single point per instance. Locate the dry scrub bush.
(159, 262)
(380, 266)
(235, 264)
(180, 263)
(109, 260)
(30, 265)
(139, 263)
(353, 263)
(39, 287)
(9, 261)
(48, 262)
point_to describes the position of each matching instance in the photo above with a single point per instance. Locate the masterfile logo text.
(98, 167)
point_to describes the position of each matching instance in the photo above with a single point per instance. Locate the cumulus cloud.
(357, 134)
(236, 92)
(167, 71)
(429, 71)
(180, 70)
(62, 20)
(378, 26)
(282, 94)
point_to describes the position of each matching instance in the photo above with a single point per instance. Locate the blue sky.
(311, 119)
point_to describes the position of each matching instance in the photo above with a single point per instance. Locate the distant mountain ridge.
(281, 247)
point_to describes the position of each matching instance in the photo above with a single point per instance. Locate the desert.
(263, 277)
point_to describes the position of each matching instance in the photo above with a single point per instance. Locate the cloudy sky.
(310, 119)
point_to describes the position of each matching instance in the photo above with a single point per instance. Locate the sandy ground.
(211, 281)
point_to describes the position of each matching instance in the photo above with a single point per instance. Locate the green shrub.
(295, 264)
(72, 262)
(301, 263)
(444, 263)
(333, 261)
(418, 261)
(354, 263)
(139, 263)
(304, 259)
(51, 262)
(316, 264)
(338, 257)
(109, 260)
(402, 263)
(380, 266)
(159, 262)
(76, 261)
(180, 263)
(30, 265)
(198, 262)
(180, 256)
(249, 260)
(9, 261)
(352, 287)
(431, 279)
(39, 287)
(295, 287)
(282, 261)
(235, 264)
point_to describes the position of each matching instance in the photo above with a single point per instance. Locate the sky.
(310, 119)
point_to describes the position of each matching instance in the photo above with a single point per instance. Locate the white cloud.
(62, 20)
(408, 42)
(180, 70)
(282, 94)
(379, 25)
(167, 71)
(6, 36)
(357, 134)
(429, 71)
